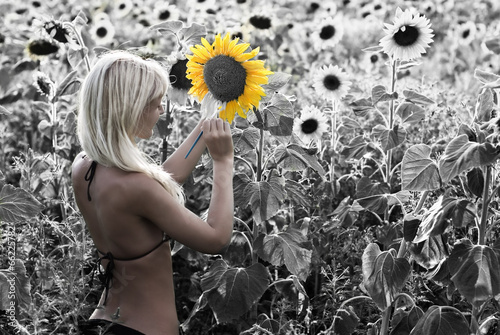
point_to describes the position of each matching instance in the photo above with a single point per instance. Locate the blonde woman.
(131, 206)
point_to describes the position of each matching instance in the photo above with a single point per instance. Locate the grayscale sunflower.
(311, 125)
(408, 37)
(331, 82)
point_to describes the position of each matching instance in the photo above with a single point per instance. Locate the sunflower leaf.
(379, 94)
(169, 26)
(390, 138)
(285, 248)
(484, 105)
(192, 34)
(297, 193)
(295, 158)
(384, 275)
(278, 116)
(246, 140)
(17, 204)
(264, 197)
(418, 171)
(276, 81)
(474, 271)
(417, 97)
(461, 155)
(441, 320)
(232, 291)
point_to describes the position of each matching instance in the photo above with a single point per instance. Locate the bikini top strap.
(89, 176)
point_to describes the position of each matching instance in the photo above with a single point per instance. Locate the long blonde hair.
(118, 89)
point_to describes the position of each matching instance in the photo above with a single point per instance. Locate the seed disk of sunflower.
(260, 22)
(178, 75)
(225, 78)
(327, 32)
(405, 36)
(309, 126)
(331, 82)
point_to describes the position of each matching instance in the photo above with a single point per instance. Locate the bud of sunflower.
(43, 84)
(41, 47)
(57, 31)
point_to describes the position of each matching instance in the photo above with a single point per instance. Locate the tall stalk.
(334, 147)
(484, 210)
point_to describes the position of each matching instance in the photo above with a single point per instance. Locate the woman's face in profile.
(149, 118)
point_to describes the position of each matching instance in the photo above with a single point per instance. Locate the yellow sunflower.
(224, 77)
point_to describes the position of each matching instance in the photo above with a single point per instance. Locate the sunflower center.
(466, 33)
(331, 82)
(164, 15)
(406, 35)
(178, 75)
(101, 32)
(309, 126)
(225, 77)
(260, 22)
(327, 32)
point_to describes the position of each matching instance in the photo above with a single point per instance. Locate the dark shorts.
(105, 327)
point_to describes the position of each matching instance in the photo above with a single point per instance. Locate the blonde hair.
(113, 96)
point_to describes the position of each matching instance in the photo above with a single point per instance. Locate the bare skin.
(129, 213)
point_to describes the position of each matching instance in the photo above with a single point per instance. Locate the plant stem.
(388, 174)
(385, 321)
(484, 210)
(334, 149)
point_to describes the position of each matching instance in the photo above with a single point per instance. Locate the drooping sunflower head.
(408, 37)
(224, 77)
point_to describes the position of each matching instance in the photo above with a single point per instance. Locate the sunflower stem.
(388, 174)
(484, 210)
(334, 147)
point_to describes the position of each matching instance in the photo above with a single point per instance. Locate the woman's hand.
(217, 137)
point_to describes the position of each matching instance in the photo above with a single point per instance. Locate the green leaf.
(4, 111)
(345, 321)
(410, 226)
(231, 292)
(246, 140)
(17, 204)
(390, 138)
(379, 93)
(384, 275)
(461, 155)
(493, 44)
(69, 85)
(264, 197)
(295, 158)
(441, 320)
(484, 105)
(486, 78)
(410, 113)
(285, 248)
(366, 187)
(192, 35)
(460, 212)
(417, 97)
(474, 271)
(276, 81)
(361, 107)
(475, 181)
(405, 321)
(418, 171)
(170, 26)
(357, 148)
(297, 193)
(278, 116)
(429, 253)
(379, 203)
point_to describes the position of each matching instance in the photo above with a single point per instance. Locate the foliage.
(386, 225)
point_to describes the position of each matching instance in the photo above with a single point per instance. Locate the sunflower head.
(57, 31)
(311, 125)
(41, 47)
(223, 76)
(331, 82)
(408, 37)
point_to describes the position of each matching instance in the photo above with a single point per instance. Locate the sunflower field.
(366, 138)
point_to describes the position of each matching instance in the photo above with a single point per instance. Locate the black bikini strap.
(89, 176)
(106, 276)
(140, 256)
